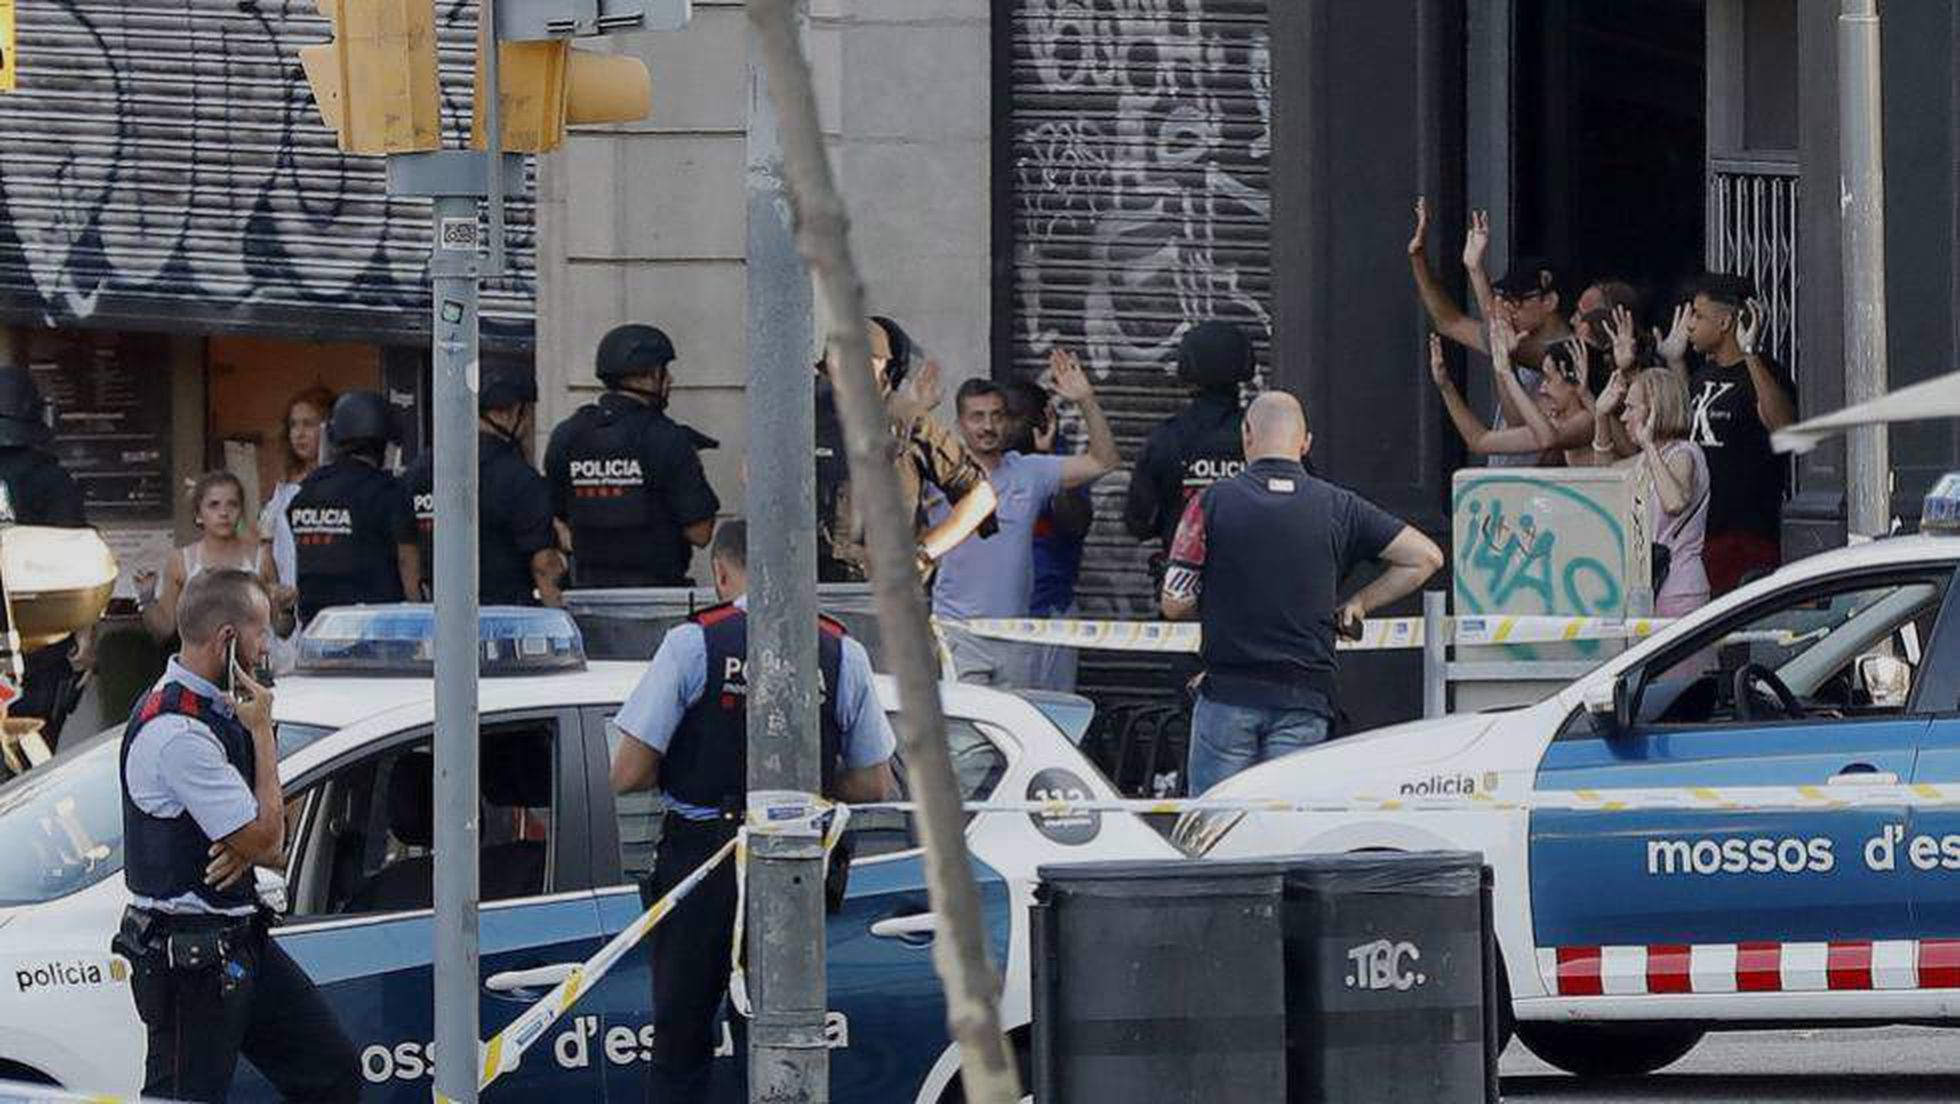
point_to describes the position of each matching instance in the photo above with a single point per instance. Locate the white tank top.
(194, 564)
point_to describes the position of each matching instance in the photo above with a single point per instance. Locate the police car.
(1626, 935)
(559, 856)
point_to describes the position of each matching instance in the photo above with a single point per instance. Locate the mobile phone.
(231, 664)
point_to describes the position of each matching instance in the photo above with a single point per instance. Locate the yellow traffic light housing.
(377, 82)
(548, 84)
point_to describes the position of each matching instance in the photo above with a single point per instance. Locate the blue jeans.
(1226, 739)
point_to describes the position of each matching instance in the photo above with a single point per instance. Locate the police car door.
(887, 1021)
(1928, 852)
(1693, 899)
(360, 921)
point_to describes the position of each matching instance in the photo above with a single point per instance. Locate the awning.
(1935, 398)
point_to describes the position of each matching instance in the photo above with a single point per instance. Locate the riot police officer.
(517, 545)
(625, 478)
(1200, 444)
(40, 492)
(201, 806)
(353, 523)
(687, 729)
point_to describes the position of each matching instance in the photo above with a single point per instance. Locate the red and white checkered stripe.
(1765, 967)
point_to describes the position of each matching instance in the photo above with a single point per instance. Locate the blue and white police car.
(559, 856)
(1627, 934)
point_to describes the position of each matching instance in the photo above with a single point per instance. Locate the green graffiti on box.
(1565, 542)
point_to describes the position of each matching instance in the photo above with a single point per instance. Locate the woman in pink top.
(1655, 416)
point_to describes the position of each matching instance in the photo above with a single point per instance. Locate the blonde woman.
(1652, 404)
(218, 511)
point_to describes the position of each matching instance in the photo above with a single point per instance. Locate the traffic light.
(548, 83)
(377, 83)
(9, 65)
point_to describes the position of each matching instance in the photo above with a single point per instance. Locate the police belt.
(187, 941)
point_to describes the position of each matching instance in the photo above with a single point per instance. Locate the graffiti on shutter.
(166, 167)
(1141, 140)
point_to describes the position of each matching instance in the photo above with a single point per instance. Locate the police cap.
(633, 350)
(361, 416)
(505, 385)
(23, 414)
(1214, 354)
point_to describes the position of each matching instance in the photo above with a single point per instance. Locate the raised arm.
(1774, 404)
(1448, 318)
(1477, 436)
(1101, 458)
(1476, 242)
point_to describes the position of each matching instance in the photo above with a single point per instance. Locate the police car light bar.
(1940, 513)
(401, 640)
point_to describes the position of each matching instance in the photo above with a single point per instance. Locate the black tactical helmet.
(23, 414)
(1214, 355)
(361, 416)
(632, 350)
(505, 385)
(901, 349)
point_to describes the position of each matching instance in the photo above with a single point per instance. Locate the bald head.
(1275, 427)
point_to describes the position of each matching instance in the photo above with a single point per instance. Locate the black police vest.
(1260, 548)
(341, 538)
(1209, 450)
(164, 857)
(621, 534)
(503, 573)
(707, 761)
(422, 493)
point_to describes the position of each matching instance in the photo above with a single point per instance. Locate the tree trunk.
(822, 236)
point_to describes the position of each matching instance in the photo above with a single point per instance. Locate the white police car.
(559, 855)
(1626, 935)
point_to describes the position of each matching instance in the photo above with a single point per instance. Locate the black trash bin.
(1388, 991)
(1159, 982)
(1176, 980)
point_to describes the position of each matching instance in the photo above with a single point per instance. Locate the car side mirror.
(271, 885)
(1610, 705)
(1887, 679)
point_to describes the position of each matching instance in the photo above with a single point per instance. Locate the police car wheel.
(22, 1074)
(1608, 1050)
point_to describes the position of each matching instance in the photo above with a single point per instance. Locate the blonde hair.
(1667, 398)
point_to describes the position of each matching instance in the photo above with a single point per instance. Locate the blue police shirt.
(678, 676)
(176, 765)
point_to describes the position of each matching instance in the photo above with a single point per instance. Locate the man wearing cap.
(924, 453)
(353, 522)
(625, 478)
(1527, 296)
(39, 492)
(517, 545)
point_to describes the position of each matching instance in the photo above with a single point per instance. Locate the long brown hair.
(320, 399)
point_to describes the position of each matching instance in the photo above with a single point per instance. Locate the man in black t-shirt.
(1738, 395)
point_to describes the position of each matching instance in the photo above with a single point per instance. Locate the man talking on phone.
(201, 808)
(1259, 559)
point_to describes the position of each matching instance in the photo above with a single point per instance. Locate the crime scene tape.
(1378, 634)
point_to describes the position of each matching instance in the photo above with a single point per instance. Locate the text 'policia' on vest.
(625, 478)
(707, 764)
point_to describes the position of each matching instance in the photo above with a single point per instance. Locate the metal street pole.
(1868, 468)
(788, 1061)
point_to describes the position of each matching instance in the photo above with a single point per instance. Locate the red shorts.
(1732, 558)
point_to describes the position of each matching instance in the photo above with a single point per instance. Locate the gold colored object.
(21, 745)
(57, 581)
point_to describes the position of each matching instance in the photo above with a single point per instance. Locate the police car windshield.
(61, 825)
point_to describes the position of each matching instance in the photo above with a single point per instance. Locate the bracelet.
(1597, 447)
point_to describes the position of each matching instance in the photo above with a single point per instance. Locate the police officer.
(40, 492)
(353, 523)
(201, 807)
(625, 477)
(686, 724)
(924, 453)
(517, 545)
(1199, 445)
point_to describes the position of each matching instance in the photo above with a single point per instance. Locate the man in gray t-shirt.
(994, 576)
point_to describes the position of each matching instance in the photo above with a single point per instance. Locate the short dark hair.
(214, 599)
(1727, 289)
(731, 544)
(975, 389)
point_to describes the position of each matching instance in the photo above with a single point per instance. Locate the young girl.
(1655, 417)
(218, 506)
(1557, 424)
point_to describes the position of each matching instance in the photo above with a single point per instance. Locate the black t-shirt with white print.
(1746, 477)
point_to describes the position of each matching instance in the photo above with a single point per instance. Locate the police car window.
(1811, 642)
(978, 766)
(370, 832)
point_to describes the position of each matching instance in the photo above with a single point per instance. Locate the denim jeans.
(1226, 739)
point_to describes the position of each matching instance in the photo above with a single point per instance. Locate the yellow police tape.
(1378, 634)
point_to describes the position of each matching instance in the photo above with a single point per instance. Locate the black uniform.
(1197, 447)
(43, 493)
(208, 983)
(628, 480)
(349, 520)
(705, 768)
(513, 520)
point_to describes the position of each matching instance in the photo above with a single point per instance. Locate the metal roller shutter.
(1139, 152)
(162, 165)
